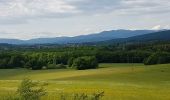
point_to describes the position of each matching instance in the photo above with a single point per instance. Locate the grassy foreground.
(118, 81)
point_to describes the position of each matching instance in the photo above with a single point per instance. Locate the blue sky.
(26, 19)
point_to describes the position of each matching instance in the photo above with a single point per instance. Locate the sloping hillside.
(102, 36)
(155, 36)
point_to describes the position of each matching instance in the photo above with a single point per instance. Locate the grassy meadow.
(118, 81)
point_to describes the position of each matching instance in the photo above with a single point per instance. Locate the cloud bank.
(18, 11)
(76, 17)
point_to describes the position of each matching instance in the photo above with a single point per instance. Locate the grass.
(118, 81)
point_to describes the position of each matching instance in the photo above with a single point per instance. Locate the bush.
(54, 66)
(28, 90)
(158, 58)
(87, 62)
(82, 96)
(35, 64)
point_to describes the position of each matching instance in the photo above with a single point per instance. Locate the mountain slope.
(155, 36)
(103, 36)
(12, 41)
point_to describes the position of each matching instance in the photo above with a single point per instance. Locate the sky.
(27, 19)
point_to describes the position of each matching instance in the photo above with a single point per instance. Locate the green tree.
(29, 90)
(87, 62)
(70, 62)
(158, 58)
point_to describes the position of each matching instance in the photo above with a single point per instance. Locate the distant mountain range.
(103, 37)
(163, 35)
(97, 37)
(155, 36)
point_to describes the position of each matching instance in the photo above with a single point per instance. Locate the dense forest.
(82, 56)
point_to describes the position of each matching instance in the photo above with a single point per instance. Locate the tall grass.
(29, 90)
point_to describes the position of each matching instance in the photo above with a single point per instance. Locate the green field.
(118, 81)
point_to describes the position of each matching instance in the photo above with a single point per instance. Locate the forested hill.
(154, 36)
(106, 37)
(162, 35)
(10, 41)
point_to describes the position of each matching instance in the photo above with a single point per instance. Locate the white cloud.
(167, 27)
(45, 8)
(26, 36)
(21, 11)
(157, 27)
(31, 8)
(72, 17)
(144, 7)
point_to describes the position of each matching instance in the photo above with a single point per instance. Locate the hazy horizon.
(27, 19)
(95, 33)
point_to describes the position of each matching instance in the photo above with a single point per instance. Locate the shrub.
(35, 64)
(58, 66)
(82, 96)
(97, 96)
(29, 90)
(87, 62)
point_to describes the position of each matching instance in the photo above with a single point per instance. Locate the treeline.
(85, 57)
(158, 58)
(52, 60)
